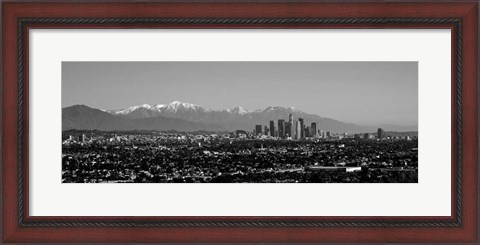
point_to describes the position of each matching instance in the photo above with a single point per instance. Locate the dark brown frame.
(460, 17)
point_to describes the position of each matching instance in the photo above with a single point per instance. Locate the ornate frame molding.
(255, 221)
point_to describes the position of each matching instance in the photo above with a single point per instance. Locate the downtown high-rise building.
(272, 128)
(298, 129)
(281, 128)
(265, 130)
(313, 130)
(293, 129)
(258, 129)
(302, 128)
(380, 133)
(290, 126)
(288, 130)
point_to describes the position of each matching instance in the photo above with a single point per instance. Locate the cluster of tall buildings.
(298, 129)
(291, 129)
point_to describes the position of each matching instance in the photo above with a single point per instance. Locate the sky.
(364, 93)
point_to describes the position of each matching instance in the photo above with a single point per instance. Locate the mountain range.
(182, 116)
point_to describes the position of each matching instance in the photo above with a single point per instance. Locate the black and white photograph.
(239, 122)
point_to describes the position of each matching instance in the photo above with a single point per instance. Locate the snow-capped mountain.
(173, 107)
(146, 111)
(234, 118)
(158, 107)
(181, 106)
(239, 110)
(148, 116)
(130, 109)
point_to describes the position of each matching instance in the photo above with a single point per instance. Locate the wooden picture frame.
(19, 227)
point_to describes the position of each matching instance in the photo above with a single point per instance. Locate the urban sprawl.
(285, 152)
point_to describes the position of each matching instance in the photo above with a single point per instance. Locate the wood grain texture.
(467, 13)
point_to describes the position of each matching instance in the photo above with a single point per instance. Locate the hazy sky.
(366, 93)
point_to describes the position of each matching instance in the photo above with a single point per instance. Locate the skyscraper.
(302, 128)
(293, 128)
(258, 129)
(281, 128)
(307, 131)
(380, 133)
(265, 130)
(290, 126)
(313, 130)
(298, 130)
(288, 130)
(272, 128)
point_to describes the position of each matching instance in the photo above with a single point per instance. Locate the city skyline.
(363, 96)
(307, 122)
